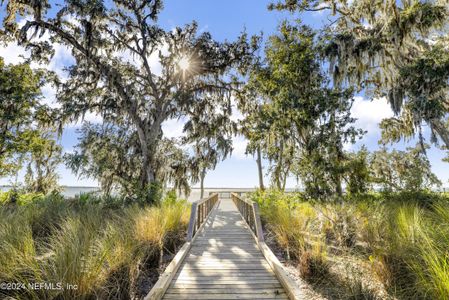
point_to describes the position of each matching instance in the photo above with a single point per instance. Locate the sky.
(225, 20)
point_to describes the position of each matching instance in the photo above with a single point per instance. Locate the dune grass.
(101, 252)
(402, 237)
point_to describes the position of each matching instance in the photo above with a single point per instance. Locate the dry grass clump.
(313, 264)
(286, 219)
(403, 239)
(105, 253)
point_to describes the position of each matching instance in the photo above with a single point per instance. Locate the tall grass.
(403, 237)
(433, 249)
(105, 253)
(286, 219)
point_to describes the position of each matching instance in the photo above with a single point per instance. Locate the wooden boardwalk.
(225, 262)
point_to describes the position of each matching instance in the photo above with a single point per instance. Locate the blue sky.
(226, 20)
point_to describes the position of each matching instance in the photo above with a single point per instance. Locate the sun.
(184, 63)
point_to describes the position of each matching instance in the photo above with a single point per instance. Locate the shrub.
(14, 197)
(340, 223)
(313, 265)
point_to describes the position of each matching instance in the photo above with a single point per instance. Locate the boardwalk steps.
(224, 257)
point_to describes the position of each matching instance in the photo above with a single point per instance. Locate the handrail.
(198, 214)
(250, 213)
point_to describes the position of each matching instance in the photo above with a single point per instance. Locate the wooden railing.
(199, 213)
(250, 213)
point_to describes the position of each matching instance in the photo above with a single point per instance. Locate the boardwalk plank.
(226, 290)
(223, 296)
(213, 285)
(225, 262)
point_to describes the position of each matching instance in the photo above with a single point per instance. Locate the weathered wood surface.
(225, 262)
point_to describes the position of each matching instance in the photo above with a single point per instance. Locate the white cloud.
(348, 146)
(91, 117)
(49, 93)
(370, 113)
(62, 58)
(12, 53)
(321, 6)
(236, 114)
(154, 59)
(239, 144)
(173, 128)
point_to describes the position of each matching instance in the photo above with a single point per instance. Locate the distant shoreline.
(193, 188)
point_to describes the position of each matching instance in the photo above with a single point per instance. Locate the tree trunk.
(338, 188)
(203, 175)
(278, 169)
(284, 180)
(148, 145)
(260, 169)
(338, 184)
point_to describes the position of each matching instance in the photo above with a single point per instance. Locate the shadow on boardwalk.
(225, 263)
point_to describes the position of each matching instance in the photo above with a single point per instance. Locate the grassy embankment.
(375, 246)
(105, 248)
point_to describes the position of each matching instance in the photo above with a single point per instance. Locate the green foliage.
(285, 218)
(211, 136)
(298, 122)
(434, 277)
(100, 155)
(171, 198)
(15, 197)
(44, 158)
(392, 49)
(408, 170)
(357, 172)
(21, 137)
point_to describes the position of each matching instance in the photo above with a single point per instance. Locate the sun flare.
(184, 63)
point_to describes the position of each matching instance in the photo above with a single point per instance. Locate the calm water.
(72, 191)
(67, 191)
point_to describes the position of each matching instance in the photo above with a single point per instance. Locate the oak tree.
(131, 72)
(393, 49)
(300, 123)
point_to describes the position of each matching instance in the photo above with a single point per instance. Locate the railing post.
(249, 210)
(202, 213)
(198, 214)
(257, 222)
(192, 222)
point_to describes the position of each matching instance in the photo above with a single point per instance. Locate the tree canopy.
(393, 49)
(129, 70)
(23, 117)
(134, 76)
(402, 170)
(300, 123)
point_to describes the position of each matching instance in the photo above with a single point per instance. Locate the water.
(67, 191)
(224, 192)
(72, 191)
